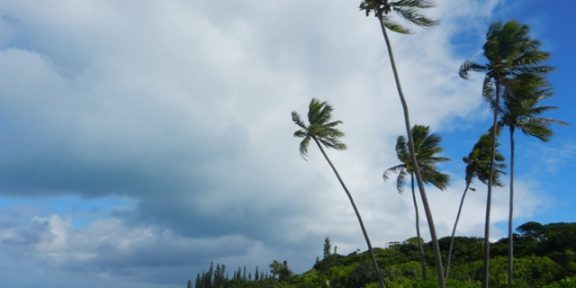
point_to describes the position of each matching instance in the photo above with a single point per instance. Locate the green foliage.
(321, 128)
(280, 271)
(569, 282)
(327, 248)
(408, 10)
(545, 258)
(427, 147)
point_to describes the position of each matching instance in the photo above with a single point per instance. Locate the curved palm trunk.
(420, 244)
(486, 280)
(373, 256)
(454, 228)
(427, 210)
(511, 213)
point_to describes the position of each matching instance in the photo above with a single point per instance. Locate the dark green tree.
(477, 166)
(509, 51)
(327, 248)
(427, 147)
(281, 271)
(322, 130)
(408, 10)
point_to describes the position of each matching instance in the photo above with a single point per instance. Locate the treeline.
(217, 277)
(545, 257)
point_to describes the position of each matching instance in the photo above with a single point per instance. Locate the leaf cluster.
(408, 10)
(320, 128)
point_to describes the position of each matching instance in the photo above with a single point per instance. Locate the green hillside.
(545, 257)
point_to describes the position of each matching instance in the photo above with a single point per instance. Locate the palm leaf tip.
(393, 26)
(296, 119)
(468, 66)
(412, 15)
(304, 147)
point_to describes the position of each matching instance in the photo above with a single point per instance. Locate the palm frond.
(401, 180)
(412, 15)
(304, 147)
(423, 4)
(439, 180)
(300, 134)
(538, 127)
(296, 119)
(394, 26)
(393, 170)
(489, 90)
(468, 66)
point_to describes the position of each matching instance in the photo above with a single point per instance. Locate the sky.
(142, 140)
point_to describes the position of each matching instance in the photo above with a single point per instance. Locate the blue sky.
(143, 140)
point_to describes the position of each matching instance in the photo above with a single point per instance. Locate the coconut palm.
(322, 130)
(477, 166)
(521, 111)
(427, 146)
(509, 52)
(408, 10)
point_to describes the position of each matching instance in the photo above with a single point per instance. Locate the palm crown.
(478, 162)
(406, 9)
(510, 52)
(427, 146)
(524, 92)
(321, 128)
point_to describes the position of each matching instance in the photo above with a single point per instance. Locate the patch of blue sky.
(80, 211)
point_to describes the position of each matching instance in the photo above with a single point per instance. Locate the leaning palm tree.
(322, 130)
(521, 111)
(409, 11)
(427, 146)
(509, 51)
(477, 166)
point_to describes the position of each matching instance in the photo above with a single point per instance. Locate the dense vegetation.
(545, 256)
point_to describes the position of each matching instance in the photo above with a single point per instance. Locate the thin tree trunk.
(511, 213)
(489, 196)
(373, 256)
(420, 244)
(427, 210)
(454, 228)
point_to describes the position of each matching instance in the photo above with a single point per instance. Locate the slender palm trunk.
(454, 228)
(511, 212)
(373, 256)
(420, 244)
(496, 107)
(427, 210)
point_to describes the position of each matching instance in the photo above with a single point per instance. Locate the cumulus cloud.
(183, 107)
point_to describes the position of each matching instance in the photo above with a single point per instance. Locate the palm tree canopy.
(427, 147)
(320, 128)
(479, 159)
(406, 9)
(509, 51)
(522, 110)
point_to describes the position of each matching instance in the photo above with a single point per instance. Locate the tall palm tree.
(509, 51)
(521, 111)
(427, 146)
(477, 166)
(322, 130)
(409, 10)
